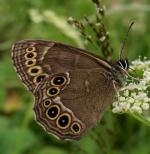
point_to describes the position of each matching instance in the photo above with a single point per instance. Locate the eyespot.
(34, 70)
(30, 62)
(53, 112)
(47, 102)
(30, 49)
(59, 80)
(63, 121)
(39, 78)
(30, 55)
(53, 91)
(76, 127)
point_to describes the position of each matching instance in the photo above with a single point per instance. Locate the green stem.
(140, 118)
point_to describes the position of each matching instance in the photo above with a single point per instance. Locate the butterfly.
(72, 87)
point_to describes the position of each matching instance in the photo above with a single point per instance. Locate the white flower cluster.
(134, 96)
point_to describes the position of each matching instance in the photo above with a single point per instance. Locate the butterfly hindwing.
(69, 104)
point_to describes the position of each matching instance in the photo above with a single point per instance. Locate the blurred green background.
(42, 19)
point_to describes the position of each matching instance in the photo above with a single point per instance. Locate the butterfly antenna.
(123, 44)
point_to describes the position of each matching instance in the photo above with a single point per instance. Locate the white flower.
(140, 65)
(134, 98)
(125, 106)
(114, 104)
(131, 86)
(147, 80)
(142, 85)
(137, 103)
(145, 106)
(131, 100)
(126, 93)
(121, 99)
(141, 96)
(116, 109)
(146, 99)
(133, 94)
(146, 76)
(136, 109)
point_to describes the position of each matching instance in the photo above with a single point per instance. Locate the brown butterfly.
(72, 87)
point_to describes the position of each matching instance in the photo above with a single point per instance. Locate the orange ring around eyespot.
(57, 113)
(69, 118)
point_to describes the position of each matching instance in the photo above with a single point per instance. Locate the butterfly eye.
(53, 112)
(34, 70)
(39, 78)
(63, 121)
(30, 62)
(30, 49)
(75, 127)
(30, 55)
(59, 80)
(47, 102)
(53, 91)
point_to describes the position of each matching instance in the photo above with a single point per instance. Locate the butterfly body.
(72, 87)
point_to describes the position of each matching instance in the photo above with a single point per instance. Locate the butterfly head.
(119, 71)
(124, 63)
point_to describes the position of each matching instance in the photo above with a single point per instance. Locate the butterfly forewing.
(37, 59)
(28, 60)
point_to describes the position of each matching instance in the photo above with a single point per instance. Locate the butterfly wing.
(69, 104)
(35, 60)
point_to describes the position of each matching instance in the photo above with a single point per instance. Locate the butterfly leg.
(116, 91)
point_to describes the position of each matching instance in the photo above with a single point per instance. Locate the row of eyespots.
(35, 71)
(56, 82)
(62, 120)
